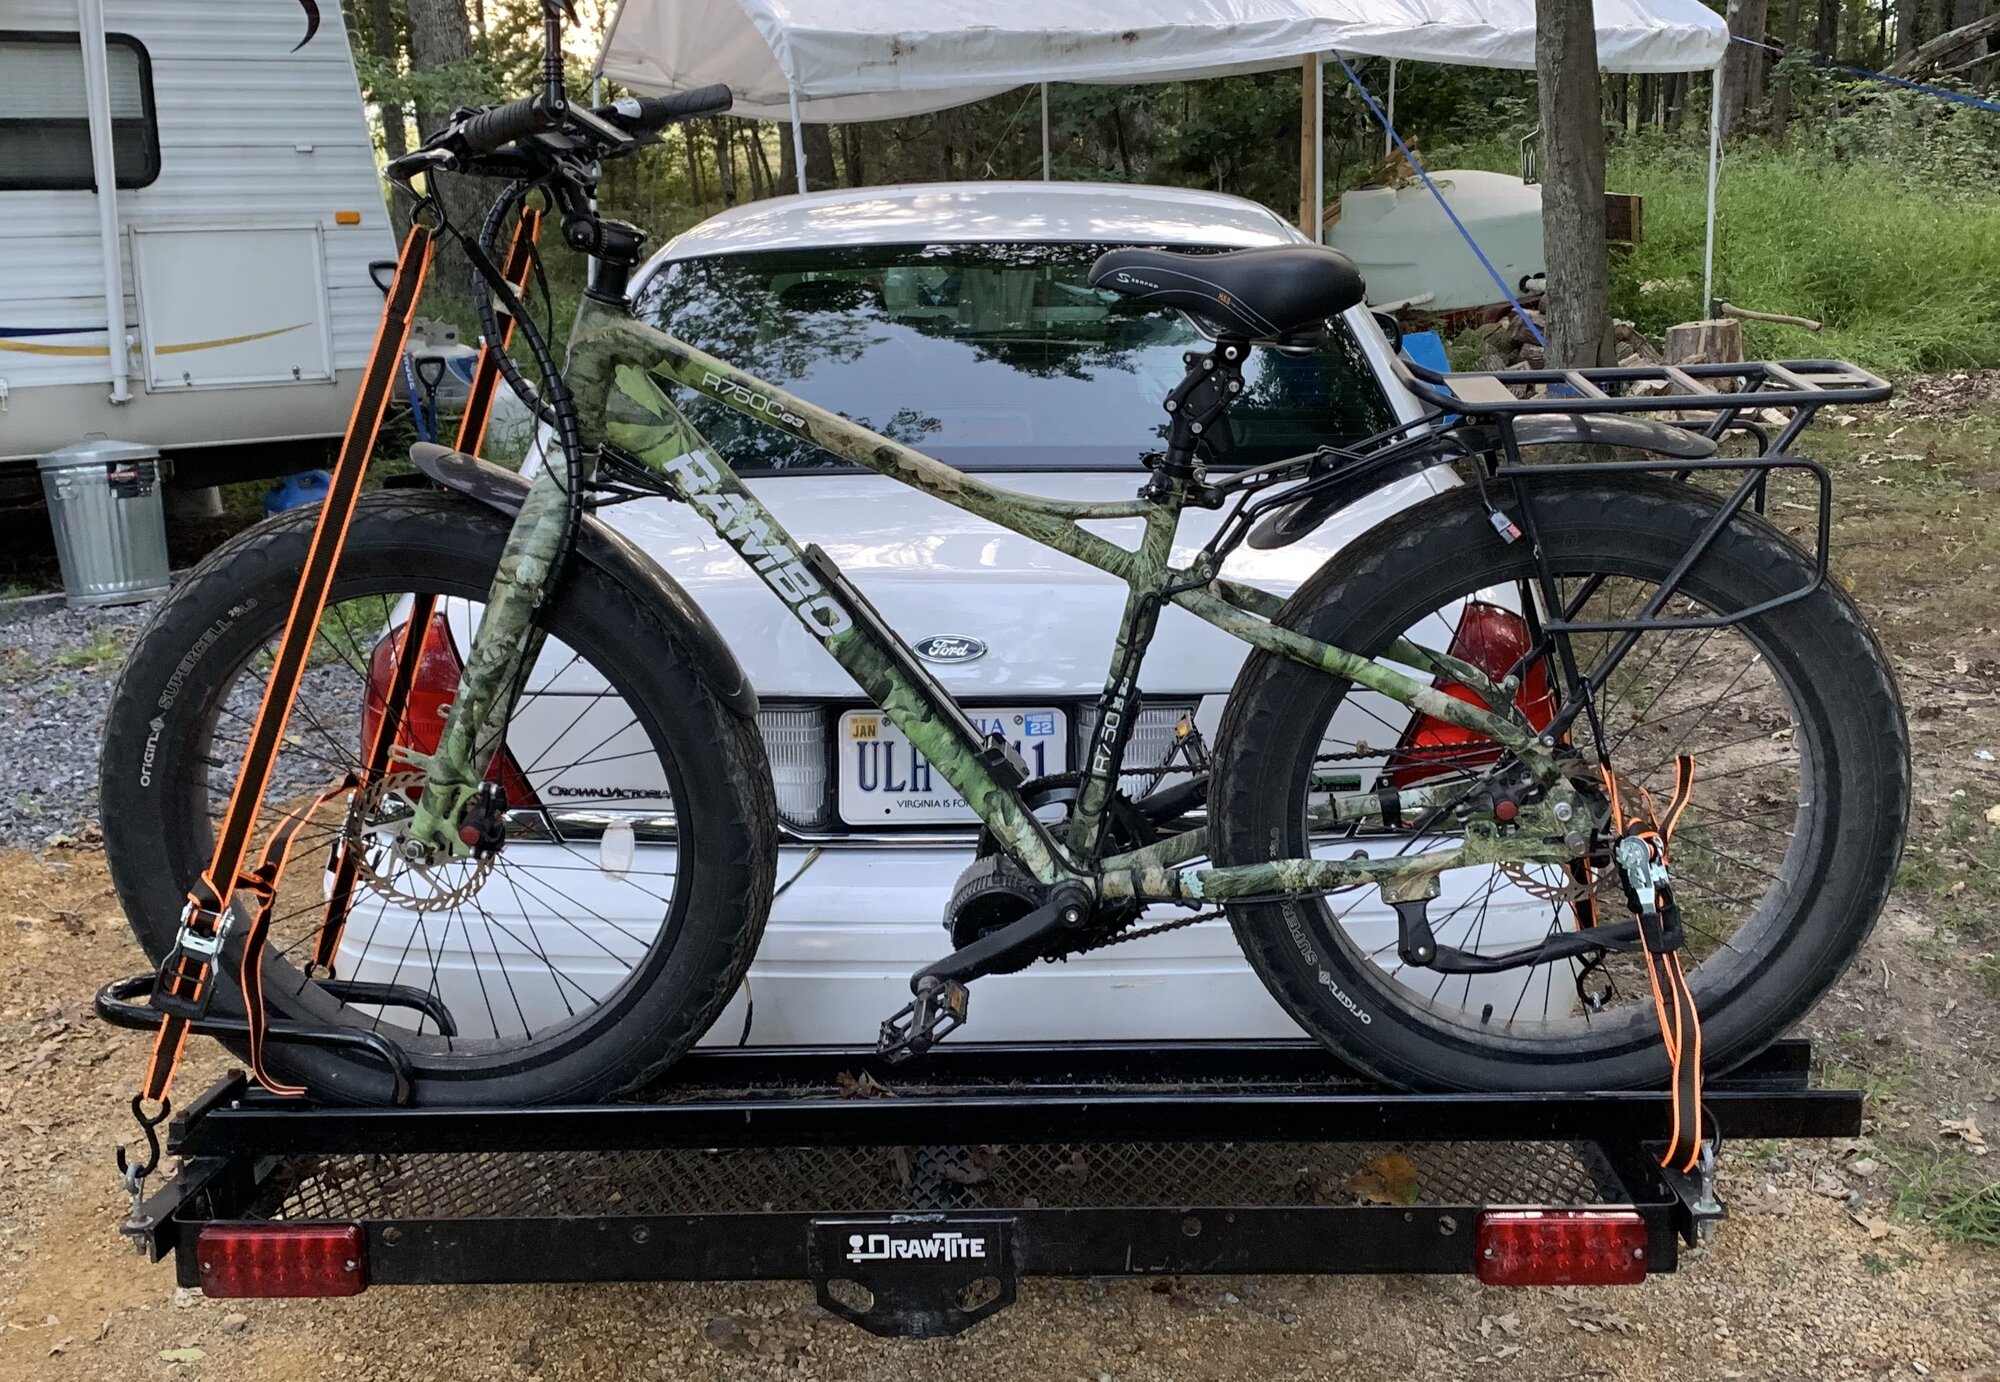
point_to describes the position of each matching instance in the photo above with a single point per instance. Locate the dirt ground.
(1878, 1257)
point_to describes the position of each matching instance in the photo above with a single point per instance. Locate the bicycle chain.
(1144, 931)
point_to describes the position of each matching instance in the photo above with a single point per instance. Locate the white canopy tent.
(844, 60)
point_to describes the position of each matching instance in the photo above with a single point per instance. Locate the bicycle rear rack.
(826, 1165)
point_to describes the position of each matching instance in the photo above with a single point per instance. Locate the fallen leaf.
(1878, 1229)
(61, 1345)
(1993, 815)
(1966, 1131)
(1388, 1179)
(1510, 1325)
(182, 1355)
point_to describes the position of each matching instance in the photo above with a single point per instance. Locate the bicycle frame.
(616, 371)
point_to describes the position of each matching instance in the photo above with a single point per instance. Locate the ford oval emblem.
(949, 647)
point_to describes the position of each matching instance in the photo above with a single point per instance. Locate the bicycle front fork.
(502, 651)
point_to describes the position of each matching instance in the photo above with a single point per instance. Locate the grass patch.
(106, 648)
(1952, 1195)
(1904, 271)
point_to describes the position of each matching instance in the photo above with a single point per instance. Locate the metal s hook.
(133, 1174)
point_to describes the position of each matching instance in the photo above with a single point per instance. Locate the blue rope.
(1382, 118)
(1818, 60)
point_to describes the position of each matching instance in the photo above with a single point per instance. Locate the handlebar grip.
(494, 129)
(653, 113)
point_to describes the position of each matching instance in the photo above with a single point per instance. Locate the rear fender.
(610, 553)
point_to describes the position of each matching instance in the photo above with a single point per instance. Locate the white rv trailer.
(188, 209)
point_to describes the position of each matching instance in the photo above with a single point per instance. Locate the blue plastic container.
(298, 491)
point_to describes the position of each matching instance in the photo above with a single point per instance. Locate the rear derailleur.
(1505, 805)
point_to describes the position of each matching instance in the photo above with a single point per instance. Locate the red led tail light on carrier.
(1561, 1247)
(267, 1261)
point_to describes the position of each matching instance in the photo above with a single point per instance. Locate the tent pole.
(798, 141)
(1388, 147)
(1714, 171)
(1045, 132)
(1319, 148)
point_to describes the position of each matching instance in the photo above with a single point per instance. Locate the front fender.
(612, 554)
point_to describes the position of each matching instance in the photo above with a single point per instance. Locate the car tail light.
(431, 695)
(795, 739)
(273, 1260)
(1561, 1247)
(1493, 640)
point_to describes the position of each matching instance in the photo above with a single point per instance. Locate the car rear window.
(989, 357)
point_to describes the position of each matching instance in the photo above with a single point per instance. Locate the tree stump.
(1713, 342)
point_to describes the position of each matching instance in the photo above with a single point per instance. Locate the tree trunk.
(753, 163)
(1826, 32)
(1908, 23)
(696, 193)
(1781, 98)
(819, 157)
(439, 38)
(1578, 304)
(1744, 68)
(725, 159)
(384, 44)
(852, 163)
(754, 132)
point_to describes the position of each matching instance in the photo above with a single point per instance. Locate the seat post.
(1198, 404)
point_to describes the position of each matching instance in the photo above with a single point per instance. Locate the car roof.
(975, 212)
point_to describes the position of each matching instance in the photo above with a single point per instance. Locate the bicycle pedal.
(935, 1013)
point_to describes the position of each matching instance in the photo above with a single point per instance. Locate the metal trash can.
(111, 534)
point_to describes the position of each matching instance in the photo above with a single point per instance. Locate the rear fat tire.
(157, 837)
(1832, 666)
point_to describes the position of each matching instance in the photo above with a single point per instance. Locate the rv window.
(45, 121)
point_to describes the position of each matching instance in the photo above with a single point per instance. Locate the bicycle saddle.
(1265, 294)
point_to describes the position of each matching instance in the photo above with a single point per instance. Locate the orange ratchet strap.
(423, 605)
(1661, 938)
(186, 980)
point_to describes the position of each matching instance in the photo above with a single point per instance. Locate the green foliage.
(1880, 221)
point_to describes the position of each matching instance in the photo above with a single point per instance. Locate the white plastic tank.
(1406, 246)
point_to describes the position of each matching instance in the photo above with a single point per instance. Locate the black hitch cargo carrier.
(914, 1198)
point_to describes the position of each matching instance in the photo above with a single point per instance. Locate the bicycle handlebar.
(650, 114)
(491, 130)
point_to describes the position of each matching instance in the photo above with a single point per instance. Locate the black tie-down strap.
(1642, 851)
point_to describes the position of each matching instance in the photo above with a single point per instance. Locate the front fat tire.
(235, 601)
(1434, 551)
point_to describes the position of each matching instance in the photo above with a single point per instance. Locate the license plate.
(884, 782)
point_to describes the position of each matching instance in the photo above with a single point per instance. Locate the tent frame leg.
(1714, 176)
(798, 140)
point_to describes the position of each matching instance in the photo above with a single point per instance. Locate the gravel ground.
(56, 670)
